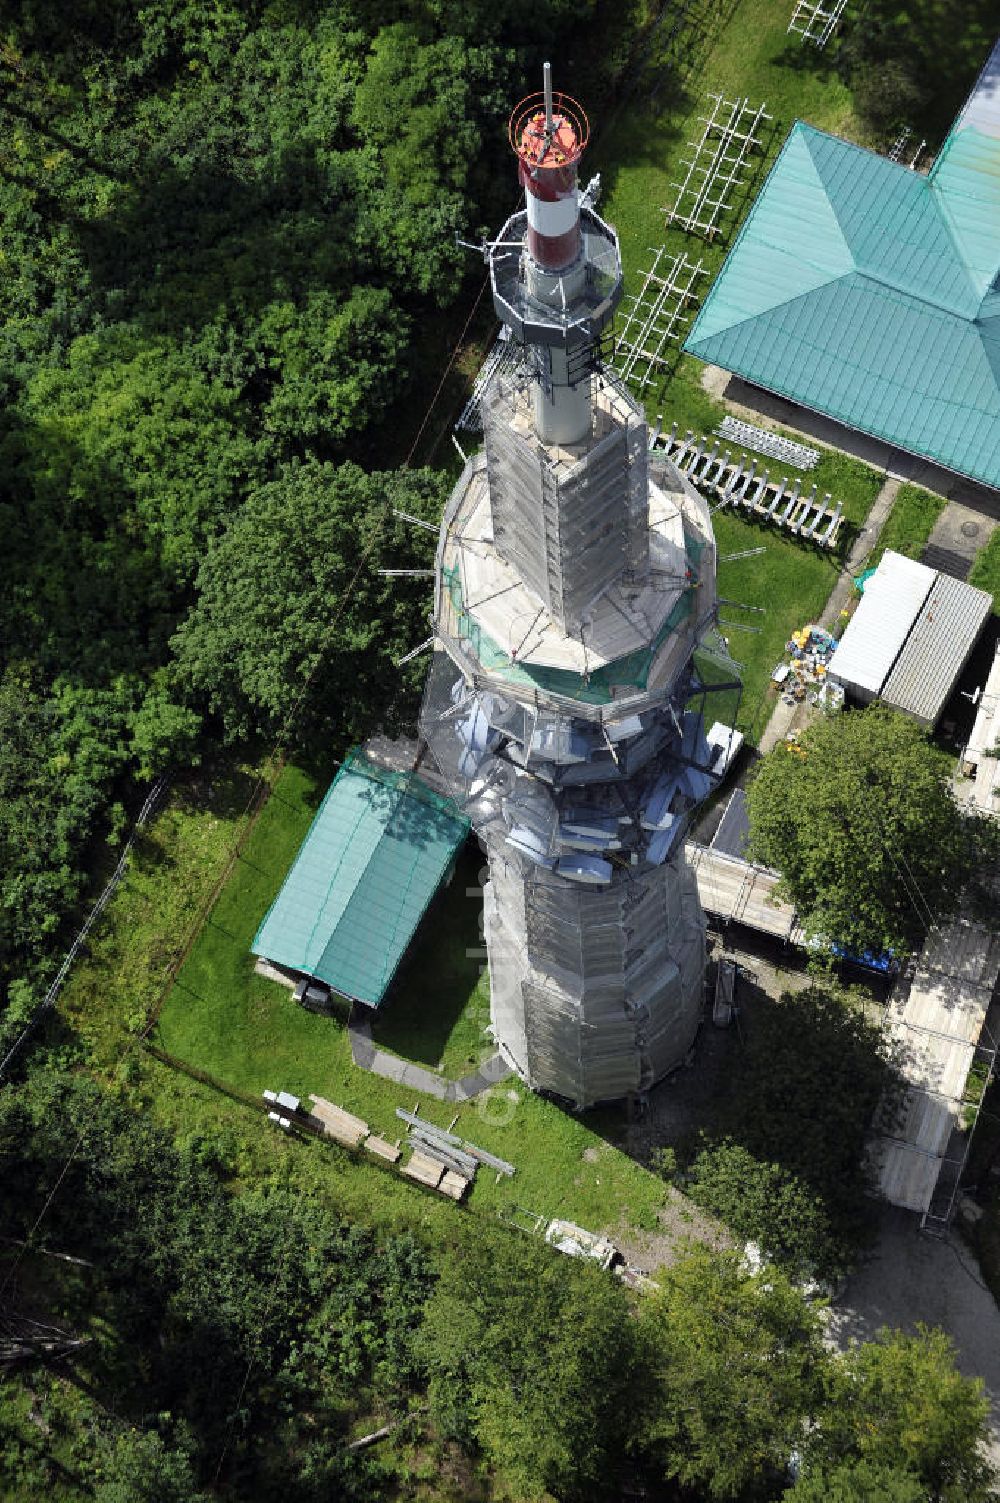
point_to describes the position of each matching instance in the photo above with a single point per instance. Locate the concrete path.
(958, 535)
(912, 1278)
(416, 1077)
(862, 546)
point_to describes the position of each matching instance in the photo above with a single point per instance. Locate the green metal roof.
(870, 293)
(375, 855)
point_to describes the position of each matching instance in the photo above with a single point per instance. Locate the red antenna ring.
(569, 139)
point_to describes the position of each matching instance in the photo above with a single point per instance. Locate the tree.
(140, 1468)
(911, 65)
(900, 1403)
(531, 1359)
(860, 823)
(736, 1368)
(291, 592)
(814, 1071)
(765, 1203)
(856, 1482)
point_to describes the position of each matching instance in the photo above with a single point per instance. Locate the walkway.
(934, 1023)
(416, 1077)
(935, 1281)
(784, 715)
(734, 890)
(958, 535)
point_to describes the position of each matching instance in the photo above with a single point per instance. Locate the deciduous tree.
(860, 823)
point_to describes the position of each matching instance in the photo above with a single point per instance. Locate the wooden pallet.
(454, 1185)
(381, 1149)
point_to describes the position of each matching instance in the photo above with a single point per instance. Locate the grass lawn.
(910, 523)
(247, 1033)
(791, 583)
(985, 571)
(439, 1002)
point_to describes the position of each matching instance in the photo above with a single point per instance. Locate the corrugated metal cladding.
(879, 627)
(376, 853)
(863, 290)
(937, 649)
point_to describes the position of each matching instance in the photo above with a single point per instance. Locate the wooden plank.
(381, 1149)
(339, 1124)
(426, 1171)
(453, 1184)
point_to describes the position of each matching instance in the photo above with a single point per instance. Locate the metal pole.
(547, 88)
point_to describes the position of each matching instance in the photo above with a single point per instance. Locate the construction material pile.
(802, 675)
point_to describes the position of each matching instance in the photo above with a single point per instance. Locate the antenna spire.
(547, 90)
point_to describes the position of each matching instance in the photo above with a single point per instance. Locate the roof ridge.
(879, 275)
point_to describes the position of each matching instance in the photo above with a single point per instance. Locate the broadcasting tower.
(575, 580)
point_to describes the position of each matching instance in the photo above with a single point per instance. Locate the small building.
(870, 293)
(909, 638)
(380, 846)
(981, 758)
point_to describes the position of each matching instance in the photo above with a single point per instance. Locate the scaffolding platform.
(658, 316)
(815, 21)
(771, 445)
(506, 357)
(717, 165)
(742, 483)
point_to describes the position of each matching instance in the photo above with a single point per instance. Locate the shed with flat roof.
(377, 851)
(910, 638)
(880, 626)
(937, 649)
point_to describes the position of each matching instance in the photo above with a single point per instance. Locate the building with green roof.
(380, 846)
(871, 294)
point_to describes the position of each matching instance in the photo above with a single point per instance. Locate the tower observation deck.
(575, 587)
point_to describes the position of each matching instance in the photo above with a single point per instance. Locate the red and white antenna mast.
(556, 269)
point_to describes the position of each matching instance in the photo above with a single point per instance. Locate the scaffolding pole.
(658, 315)
(813, 23)
(717, 164)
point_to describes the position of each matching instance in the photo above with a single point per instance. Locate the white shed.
(881, 624)
(910, 638)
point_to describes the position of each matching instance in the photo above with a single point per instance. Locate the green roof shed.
(376, 853)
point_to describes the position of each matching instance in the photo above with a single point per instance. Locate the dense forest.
(227, 268)
(203, 1344)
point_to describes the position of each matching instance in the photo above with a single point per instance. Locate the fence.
(51, 996)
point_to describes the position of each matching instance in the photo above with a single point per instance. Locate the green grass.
(790, 582)
(985, 571)
(439, 1002)
(909, 525)
(247, 1033)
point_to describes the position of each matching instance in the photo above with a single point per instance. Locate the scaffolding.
(506, 357)
(814, 23)
(657, 316)
(718, 163)
(742, 483)
(771, 445)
